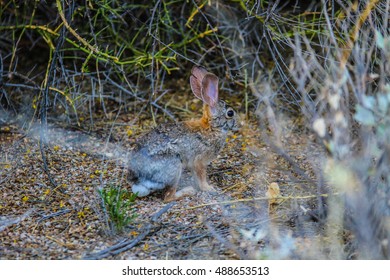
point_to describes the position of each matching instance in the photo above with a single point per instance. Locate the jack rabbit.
(158, 158)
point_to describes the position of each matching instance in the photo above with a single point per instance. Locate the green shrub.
(118, 204)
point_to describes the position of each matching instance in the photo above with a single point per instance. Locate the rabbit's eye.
(230, 113)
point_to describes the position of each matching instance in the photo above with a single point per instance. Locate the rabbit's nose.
(236, 125)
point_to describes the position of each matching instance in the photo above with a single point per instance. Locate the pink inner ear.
(210, 89)
(199, 72)
(195, 87)
(197, 75)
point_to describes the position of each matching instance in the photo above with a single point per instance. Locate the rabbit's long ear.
(197, 75)
(210, 89)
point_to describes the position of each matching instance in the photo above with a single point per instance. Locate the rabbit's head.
(216, 113)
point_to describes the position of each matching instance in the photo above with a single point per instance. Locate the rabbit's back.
(181, 141)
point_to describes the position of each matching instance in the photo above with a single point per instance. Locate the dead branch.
(259, 198)
(6, 222)
(55, 214)
(126, 244)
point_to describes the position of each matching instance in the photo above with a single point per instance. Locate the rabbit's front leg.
(171, 194)
(200, 175)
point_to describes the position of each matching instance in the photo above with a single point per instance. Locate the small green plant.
(119, 206)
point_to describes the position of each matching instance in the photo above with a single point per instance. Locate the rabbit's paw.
(208, 188)
(171, 194)
(188, 191)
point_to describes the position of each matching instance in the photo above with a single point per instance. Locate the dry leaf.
(272, 193)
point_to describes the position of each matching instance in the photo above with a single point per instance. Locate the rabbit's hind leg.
(144, 187)
(150, 174)
(174, 171)
(170, 193)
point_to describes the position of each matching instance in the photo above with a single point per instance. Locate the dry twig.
(127, 244)
(281, 198)
(4, 223)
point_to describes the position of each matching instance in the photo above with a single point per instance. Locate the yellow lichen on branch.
(196, 11)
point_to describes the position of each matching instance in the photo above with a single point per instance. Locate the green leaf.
(368, 101)
(118, 203)
(364, 116)
(383, 103)
(380, 41)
